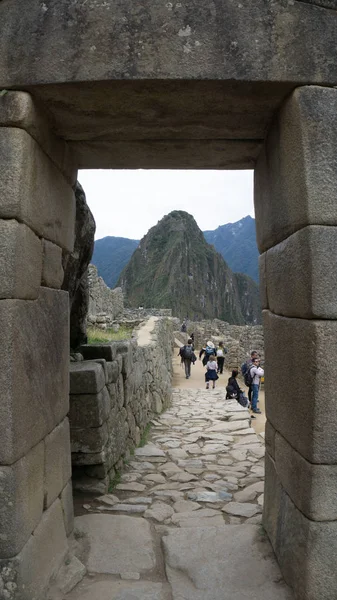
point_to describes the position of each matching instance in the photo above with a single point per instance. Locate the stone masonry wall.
(239, 340)
(103, 302)
(114, 394)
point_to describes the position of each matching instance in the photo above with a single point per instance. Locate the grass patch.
(104, 336)
(115, 481)
(145, 436)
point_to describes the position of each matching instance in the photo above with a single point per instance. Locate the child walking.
(211, 373)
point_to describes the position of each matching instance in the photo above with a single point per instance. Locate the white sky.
(127, 203)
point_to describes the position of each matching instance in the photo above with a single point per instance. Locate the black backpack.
(248, 377)
(187, 352)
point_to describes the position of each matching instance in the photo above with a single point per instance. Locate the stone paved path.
(184, 521)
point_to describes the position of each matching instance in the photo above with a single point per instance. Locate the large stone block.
(34, 370)
(33, 191)
(93, 351)
(86, 377)
(20, 261)
(21, 503)
(301, 274)
(39, 560)
(90, 440)
(306, 550)
(18, 109)
(301, 392)
(52, 270)
(263, 280)
(57, 462)
(270, 433)
(312, 488)
(296, 173)
(89, 410)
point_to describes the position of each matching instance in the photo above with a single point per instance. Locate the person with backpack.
(234, 391)
(187, 357)
(209, 350)
(220, 357)
(211, 373)
(256, 372)
(245, 371)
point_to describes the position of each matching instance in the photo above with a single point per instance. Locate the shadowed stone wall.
(296, 216)
(37, 218)
(114, 394)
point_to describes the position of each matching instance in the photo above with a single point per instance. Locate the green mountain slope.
(111, 255)
(236, 243)
(174, 267)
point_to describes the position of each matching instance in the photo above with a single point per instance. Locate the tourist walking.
(245, 371)
(187, 357)
(256, 373)
(220, 357)
(211, 372)
(208, 351)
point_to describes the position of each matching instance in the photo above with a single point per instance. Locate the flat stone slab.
(116, 543)
(149, 450)
(118, 590)
(229, 562)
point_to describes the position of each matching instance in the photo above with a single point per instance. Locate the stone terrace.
(185, 517)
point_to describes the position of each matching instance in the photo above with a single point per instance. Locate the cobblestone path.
(184, 521)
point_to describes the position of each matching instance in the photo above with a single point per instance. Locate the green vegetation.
(114, 481)
(104, 336)
(145, 436)
(174, 267)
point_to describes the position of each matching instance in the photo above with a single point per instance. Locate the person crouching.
(211, 372)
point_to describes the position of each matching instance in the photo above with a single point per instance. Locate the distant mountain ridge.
(236, 242)
(174, 267)
(111, 255)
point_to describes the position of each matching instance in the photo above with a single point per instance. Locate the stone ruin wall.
(114, 393)
(105, 305)
(239, 340)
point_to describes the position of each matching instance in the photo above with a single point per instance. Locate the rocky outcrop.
(75, 267)
(114, 394)
(103, 302)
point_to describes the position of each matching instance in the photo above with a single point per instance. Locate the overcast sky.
(127, 203)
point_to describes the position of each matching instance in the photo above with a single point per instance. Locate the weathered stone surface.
(68, 508)
(250, 492)
(311, 429)
(304, 263)
(52, 270)
(313, 573)
(20, 261)
(18, 109)
(33, 191)
(241, 509)
(57, 471)
(75, 265)
(149, 450)
(159, 512)
(70, 574)
(270, 439)
(119, 590)
(312, 488)
(91, 440)
(21, 500)
(105, 304)
(199, 554)
(93, 351)
(89, 409)
(86, 377)
(131, 487)
(297, 166)
(135, 545)
(263, 283)
(34, 378)
(40, 559)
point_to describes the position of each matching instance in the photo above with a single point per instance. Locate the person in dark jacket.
(187, 357)
(233, 388)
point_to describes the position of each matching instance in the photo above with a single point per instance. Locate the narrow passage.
(184, 522)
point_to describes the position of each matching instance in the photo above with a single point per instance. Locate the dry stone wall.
(114, 393)
(105, 305)
(239, 340)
